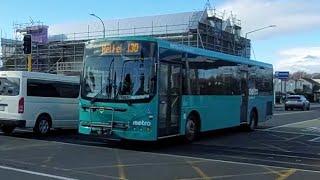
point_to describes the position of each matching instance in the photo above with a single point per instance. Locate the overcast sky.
(293, 45)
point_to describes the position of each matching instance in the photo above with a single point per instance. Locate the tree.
(300, 74)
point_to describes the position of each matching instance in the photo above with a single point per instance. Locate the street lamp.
(104, 28)
(271, 26)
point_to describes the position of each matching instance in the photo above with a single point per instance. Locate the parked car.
(297, 102)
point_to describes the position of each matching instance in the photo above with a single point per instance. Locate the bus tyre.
(192, 129)
(43, 125)
(7, 129)
(253, 121)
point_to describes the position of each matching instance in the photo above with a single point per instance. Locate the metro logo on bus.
(141, 123)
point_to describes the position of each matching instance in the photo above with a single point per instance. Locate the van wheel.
(192, 129)
(7, 129)
(43, 125)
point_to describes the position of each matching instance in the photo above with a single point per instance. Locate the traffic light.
(27, 44)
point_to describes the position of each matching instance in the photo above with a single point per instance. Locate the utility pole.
(104, 28)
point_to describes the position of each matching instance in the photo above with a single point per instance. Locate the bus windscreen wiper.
(107, 86)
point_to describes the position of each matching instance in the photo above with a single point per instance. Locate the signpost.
(283, 75)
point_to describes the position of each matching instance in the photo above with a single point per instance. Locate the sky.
(294, 44)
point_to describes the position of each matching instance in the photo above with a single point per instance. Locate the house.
(306, 86)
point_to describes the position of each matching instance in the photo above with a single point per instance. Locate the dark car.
(297, 102)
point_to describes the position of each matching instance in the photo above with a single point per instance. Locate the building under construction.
(61, 51)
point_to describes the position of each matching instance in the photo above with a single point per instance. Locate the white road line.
(36, 173)
(280, 114)
(317, 139)
(288, 132)
(286, 125)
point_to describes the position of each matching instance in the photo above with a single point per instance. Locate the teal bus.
(144, 88)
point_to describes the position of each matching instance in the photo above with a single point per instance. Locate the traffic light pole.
(29, 62)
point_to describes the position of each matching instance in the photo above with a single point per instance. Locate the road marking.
(274, 147)
(120, 166)
(94, 174)
(198, 170)
(285, 175)
(232, 175)
(137, 164)
(280, 114)
(273, 171)
(25, 146)
(296, 137)
(179, 156)
(317, 139)
(287, 132)
(36, 173)
(290, 124)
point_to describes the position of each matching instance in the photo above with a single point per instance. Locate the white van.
(38, 100)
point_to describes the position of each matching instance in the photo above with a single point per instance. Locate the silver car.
(297, 102)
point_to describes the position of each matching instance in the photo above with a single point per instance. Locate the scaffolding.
(63, 54)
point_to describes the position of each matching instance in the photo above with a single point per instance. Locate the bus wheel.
(42, 126)
(7, 129)
(192, 129)
(253, 121)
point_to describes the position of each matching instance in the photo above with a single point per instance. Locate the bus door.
(244, 96)
(169, 99)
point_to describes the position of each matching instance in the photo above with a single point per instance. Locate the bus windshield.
(118, 78)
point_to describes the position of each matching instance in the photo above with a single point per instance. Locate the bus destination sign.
(121, 48)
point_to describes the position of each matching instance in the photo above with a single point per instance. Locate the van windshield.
(9, 86)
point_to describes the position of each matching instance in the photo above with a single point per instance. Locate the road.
(286, 147)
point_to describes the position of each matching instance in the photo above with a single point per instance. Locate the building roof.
(317, 80)
(313, 81)
(159, 24)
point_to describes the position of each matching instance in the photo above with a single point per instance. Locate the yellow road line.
(120, 166)
(273, 171)
(94, 174)
(199, 171)
(286, 174)
(138, 164)
(230, 176)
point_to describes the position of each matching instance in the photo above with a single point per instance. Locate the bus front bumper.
(13, 123)
(116, 132)
(102, 129)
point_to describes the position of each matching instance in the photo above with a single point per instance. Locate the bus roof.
(40, 75)
(189, 49)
